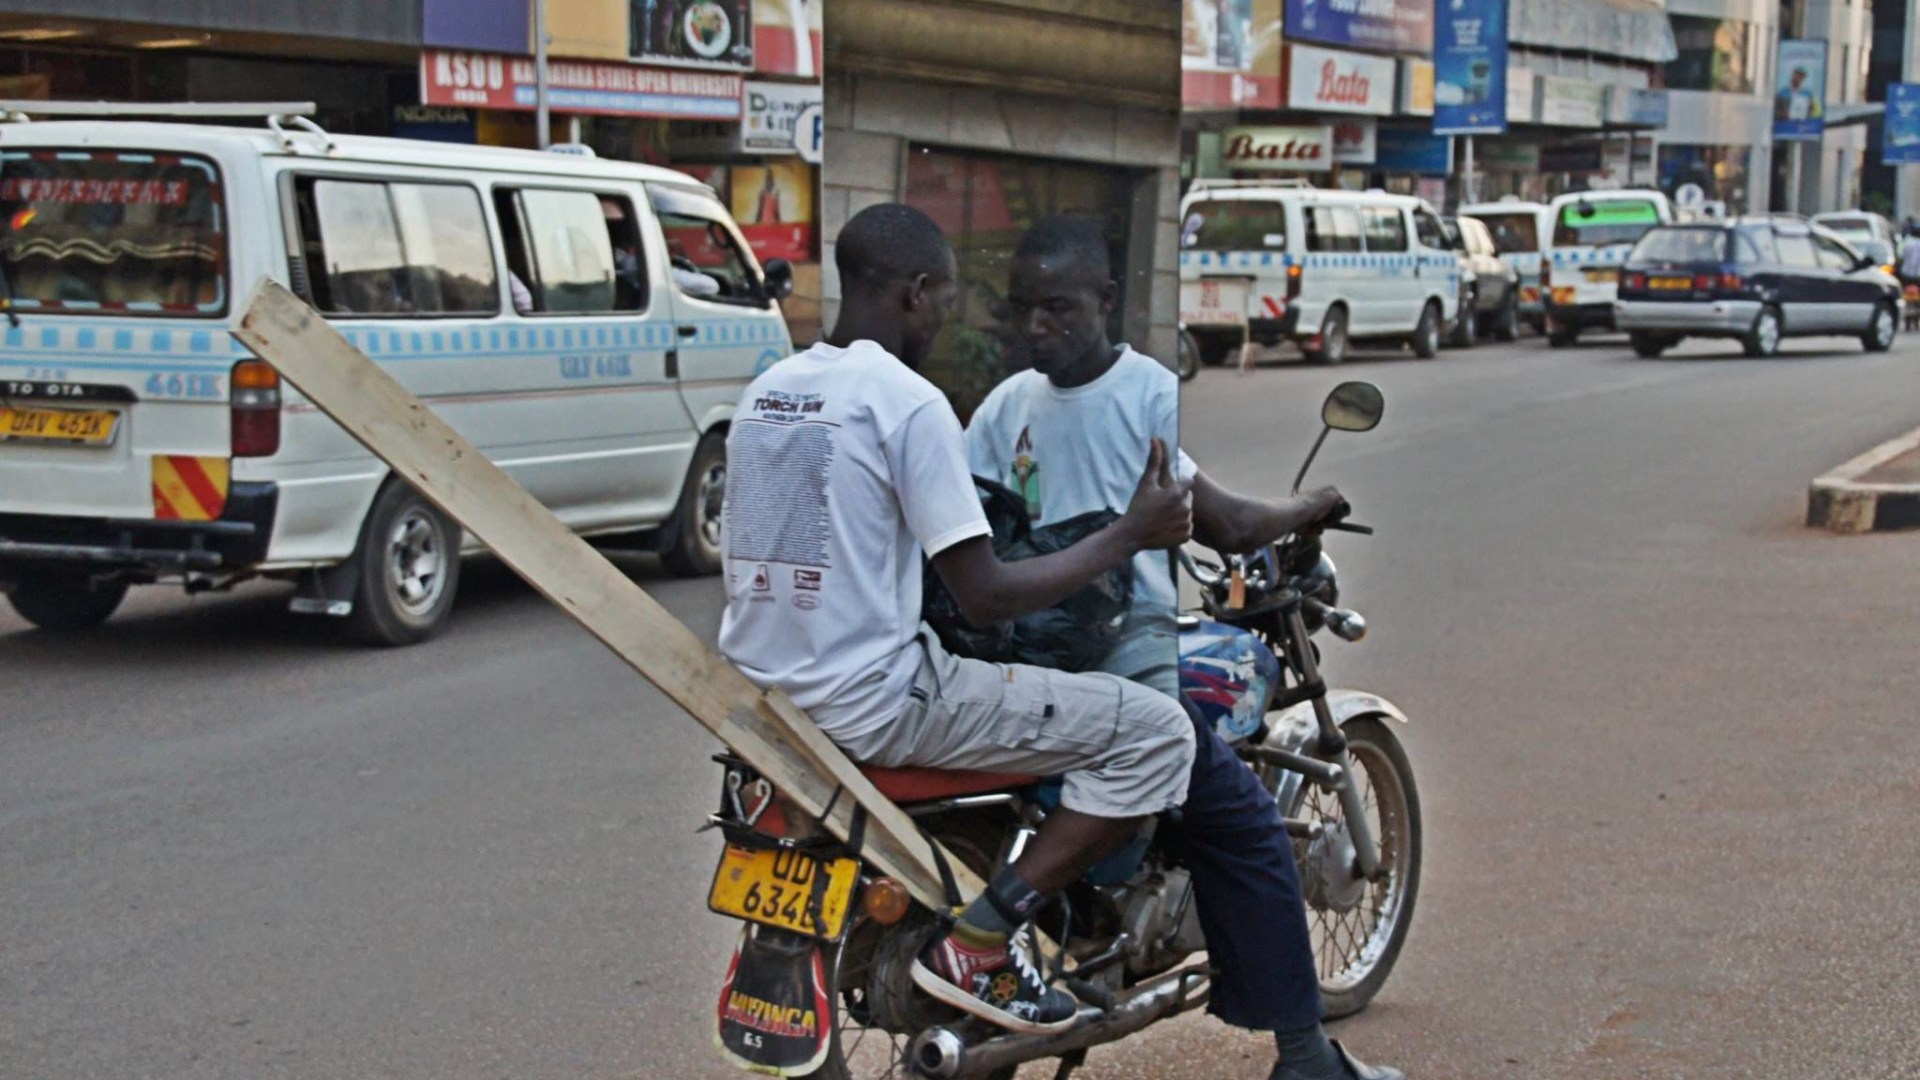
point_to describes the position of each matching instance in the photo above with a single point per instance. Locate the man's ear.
(1109, 296)
(915, 293)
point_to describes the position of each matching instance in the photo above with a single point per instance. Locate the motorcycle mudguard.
(776, 1011)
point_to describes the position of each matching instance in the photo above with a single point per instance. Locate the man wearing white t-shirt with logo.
(846, 469)
(1060, 435)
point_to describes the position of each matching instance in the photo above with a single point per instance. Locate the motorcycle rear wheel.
(1357, 939)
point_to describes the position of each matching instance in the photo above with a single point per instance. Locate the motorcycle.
(819, 984)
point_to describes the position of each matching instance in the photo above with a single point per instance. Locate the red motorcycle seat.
(910, 784)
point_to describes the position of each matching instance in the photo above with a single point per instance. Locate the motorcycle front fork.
(1333, 750)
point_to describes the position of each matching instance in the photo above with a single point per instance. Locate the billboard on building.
(1470, 68)
(1387, 25)
(1410, 150)
(770, 112)
(1902, 138)
(706, 33)
(1800, 89)
(773, 204)
(1290, 148)
(1230, 54)
(786, 37)
(1327, 80)
(491, 81)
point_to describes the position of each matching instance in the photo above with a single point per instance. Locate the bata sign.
(1277, 149)
(491, 81)
(1326, 80)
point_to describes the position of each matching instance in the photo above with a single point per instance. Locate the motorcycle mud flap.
(776, 1011)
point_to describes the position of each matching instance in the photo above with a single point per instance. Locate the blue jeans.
(1247, 891)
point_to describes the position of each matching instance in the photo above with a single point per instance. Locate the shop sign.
(1470, 68)
(786, 38)
(433, 123)
(1277, 149)
(1387, 25)
(1800, 90)
(705, 33)
(494, 81)
(773, 205)
(1521, 93)
(1580, 157)
(1230, 54)
(1356, 141)
(1903, 124)
(1411, 150)
(1637, 107)
(1416, 87)
(1498, 155)
(1323, 80)
(810, 133)
(1571, 102)
(769, 113)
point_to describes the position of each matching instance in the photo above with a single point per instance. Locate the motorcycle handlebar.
(1347, 526)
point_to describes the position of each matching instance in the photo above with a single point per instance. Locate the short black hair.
(887, 243)
(1079, 240)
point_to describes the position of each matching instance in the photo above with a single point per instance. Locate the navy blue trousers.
(1247, 891)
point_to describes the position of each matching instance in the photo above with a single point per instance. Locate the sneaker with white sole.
(998, 984)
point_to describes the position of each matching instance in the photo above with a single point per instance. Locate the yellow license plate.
(1672, 283)
(785, 888)
(83, 427)
(1602, 275)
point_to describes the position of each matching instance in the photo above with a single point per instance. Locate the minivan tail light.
(254, 410)
(1546, 274)
(1704, 282)
(1293, 281)
(1636, 281)
(1731, 282)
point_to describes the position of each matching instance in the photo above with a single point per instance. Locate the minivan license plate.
(785, 888)
(91, 427)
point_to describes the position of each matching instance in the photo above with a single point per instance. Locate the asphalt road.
(1664, 736)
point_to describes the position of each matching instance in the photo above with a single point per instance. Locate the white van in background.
(1279, 260)
(1592, 233)
(587, 324)
(1521, 232)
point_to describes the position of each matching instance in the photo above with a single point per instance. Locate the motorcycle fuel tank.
(1229, 674)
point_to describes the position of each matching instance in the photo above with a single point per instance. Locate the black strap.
(947, 882)
(856, 829)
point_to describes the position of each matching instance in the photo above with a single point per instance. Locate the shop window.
(1714, 54)
(1333, 228)
(1386, 229)
(571, 252)
(375, 248)
(708, 260)
(985, 203)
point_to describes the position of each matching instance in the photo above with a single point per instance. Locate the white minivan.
(1279, 260)
(588, 324)
(1580, 274)
(1521, 231)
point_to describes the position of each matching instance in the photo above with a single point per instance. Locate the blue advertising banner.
(1902, 146)
(1410, 150)
(1470, 68)
(501, 26)
(1387, 25)
(1800, 89)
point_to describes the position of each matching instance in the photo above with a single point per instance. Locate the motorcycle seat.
(912, 784)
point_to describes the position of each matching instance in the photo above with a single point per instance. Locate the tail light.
(1704, 282)
(1636, 281)
(1731, 282)
(1293, 282)
(1546, 274)
(255, 402)
(885, 901)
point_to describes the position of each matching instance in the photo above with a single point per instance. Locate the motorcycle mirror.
(1353, 406)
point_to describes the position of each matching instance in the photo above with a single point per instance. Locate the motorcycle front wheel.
(1359, 926)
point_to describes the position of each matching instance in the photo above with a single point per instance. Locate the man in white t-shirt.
(845, 470)
(1060, 435)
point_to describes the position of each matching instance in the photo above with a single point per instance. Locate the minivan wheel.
(1426, 333)
(1560, 336)
(692, 540)
(1333, 338)
(1506, 326)
(1649, 345)
(65, 602)
(1189, 356)
(1764, 338)
(1881, 332)
(409, 560)
(1467, 324)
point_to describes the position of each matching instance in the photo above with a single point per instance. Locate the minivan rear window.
(113, 232)
(1682, 246)
(1611, 221)
(1515, 232)
(1235, 225)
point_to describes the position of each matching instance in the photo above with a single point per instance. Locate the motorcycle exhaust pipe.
(939, 1054)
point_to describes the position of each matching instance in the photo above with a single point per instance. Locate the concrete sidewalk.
(1879, 491)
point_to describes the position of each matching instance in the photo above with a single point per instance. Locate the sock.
(997, 912)
(1305, 1052)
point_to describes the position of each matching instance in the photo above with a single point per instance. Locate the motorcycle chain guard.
(776, 1010)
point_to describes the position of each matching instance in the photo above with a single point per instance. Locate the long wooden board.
(766, 729)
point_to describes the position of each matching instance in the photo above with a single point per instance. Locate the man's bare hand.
(1161, 514)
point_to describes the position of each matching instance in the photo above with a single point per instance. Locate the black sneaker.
(998, 985)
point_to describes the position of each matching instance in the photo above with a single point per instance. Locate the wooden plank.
(767, 730)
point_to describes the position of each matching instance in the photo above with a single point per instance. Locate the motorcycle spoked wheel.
(872, 957)
(1358, 927)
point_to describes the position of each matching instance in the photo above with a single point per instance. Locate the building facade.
(973, 111)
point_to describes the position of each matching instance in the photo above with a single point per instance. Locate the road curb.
(1843, 503)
